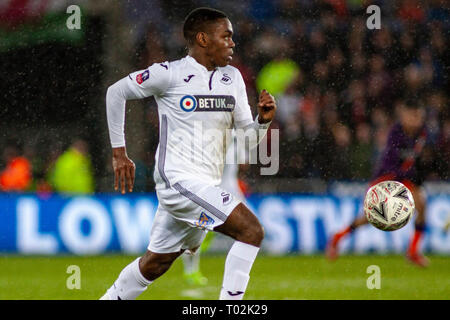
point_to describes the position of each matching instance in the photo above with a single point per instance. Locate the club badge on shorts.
(204, 220)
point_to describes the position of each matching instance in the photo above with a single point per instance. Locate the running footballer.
(203, 91)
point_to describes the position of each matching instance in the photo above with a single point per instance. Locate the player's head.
(210, 31)
(412, 115)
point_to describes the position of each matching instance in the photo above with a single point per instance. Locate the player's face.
(221, 42)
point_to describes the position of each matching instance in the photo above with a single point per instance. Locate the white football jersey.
(197, 109)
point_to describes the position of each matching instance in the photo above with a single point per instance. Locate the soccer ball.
(389, 205)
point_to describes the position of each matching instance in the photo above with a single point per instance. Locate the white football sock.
(238, 264)
(191, 262)
(130, 284)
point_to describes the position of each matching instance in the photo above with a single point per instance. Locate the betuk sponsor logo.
(204, 103)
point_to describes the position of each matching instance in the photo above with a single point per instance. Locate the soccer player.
(401, 162)
(199, 98)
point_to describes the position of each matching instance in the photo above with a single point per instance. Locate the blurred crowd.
(66, 171)
(337, 83)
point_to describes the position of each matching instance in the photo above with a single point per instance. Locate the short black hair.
(197, 20)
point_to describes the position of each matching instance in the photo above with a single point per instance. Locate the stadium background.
(337, 84)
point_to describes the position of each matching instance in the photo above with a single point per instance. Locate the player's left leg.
(413, 254)
(244, 227)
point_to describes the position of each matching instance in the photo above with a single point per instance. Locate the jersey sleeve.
(153, 81)
(242, 113)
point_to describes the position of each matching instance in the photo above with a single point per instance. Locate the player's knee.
(253, 234)
(242, 225)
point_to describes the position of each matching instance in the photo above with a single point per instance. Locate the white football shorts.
(186, 212)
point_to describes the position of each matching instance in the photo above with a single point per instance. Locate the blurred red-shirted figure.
(17, 174)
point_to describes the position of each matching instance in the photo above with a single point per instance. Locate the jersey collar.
(198, 65)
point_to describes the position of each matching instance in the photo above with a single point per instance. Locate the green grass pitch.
(292, 277)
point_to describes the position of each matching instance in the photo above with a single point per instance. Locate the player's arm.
(243, 117)
(138, 85)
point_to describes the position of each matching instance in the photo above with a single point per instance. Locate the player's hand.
(124, 170)
(266, 107)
